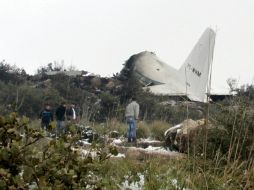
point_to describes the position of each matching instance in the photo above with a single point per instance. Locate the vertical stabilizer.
(197, 67)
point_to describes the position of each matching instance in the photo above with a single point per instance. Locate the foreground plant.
(28, 159)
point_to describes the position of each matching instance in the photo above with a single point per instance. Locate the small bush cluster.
(143, 131)
(158, 129)
(29, 159)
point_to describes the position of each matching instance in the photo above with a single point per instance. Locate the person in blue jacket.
(46, 117)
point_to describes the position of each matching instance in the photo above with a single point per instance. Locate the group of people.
(63, 111)
(68, 112)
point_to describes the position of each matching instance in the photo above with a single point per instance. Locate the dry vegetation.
(221, 158)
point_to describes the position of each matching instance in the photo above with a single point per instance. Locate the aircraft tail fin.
(197, 67)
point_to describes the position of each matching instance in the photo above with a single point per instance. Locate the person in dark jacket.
(60, 117)
(46, 117)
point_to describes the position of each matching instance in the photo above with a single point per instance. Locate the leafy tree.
(12, 74)
(55, 66)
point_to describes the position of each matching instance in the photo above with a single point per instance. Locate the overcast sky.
(99, 35)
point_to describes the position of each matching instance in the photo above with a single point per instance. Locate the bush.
(110, 126)
(45, 163)
(158, 129)
(143, 130)
(115, 125)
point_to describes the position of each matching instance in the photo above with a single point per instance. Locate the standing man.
(71, 113)
(131, 115)
(46, 117)
(60, 117)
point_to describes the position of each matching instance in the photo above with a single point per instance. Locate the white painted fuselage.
(192, 79)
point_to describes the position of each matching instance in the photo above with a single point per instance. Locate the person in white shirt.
(71, 113)
(131, 115)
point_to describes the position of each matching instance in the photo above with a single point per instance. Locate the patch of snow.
(155, 150)
(134, 185)
(159, 150)
(149, 140)
(32, 186)
(175, 184)
(119, 155)
(152, 148)
(85, 153)
(21, 173)
(84, 142)
(117, 141)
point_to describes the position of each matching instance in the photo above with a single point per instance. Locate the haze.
(99, 36)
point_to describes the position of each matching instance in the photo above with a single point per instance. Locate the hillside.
(216, 139)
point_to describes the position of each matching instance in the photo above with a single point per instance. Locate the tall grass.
(228, 164)
(158, 129)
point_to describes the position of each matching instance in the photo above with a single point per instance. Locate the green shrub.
(158, 129)
(143, 130)
(45, 162)
(115, 125)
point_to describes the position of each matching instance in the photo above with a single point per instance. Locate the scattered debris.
(177, 137)
(87, 134)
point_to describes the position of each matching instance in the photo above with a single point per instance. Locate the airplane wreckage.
(191, 80)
